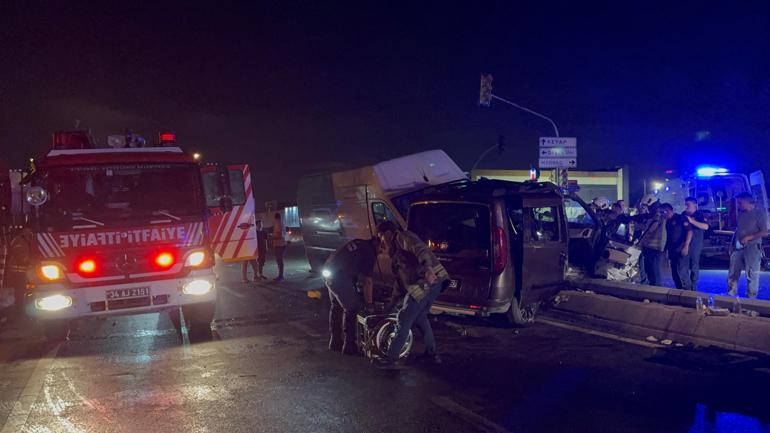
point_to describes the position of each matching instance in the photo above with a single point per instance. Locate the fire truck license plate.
(131, 292)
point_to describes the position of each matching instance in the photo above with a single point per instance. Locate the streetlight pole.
(533, 112)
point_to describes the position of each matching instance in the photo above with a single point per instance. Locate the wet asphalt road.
(268, 370)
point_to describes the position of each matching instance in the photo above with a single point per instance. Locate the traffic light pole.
(556, 175)
(534, 113)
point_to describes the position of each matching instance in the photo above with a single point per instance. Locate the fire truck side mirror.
(225, 203)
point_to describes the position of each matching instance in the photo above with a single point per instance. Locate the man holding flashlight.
(347, 274)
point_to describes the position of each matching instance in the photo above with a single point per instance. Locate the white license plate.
(131, 292)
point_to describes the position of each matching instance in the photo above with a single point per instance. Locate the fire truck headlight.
(196, 258)
(36, 195)
(53, 302)
(51, 272)
(197, 287)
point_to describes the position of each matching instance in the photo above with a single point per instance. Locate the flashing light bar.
(708, 171)
(167, 137)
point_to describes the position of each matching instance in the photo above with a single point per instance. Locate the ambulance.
(124, 229)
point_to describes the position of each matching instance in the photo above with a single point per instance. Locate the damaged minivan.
(505, 244)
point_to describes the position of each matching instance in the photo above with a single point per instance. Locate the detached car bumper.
(57, 302)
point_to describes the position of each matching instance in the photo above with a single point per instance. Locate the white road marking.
(23, 405)
(600, 334)
(233, 292)
(468, 415)
(305, 328)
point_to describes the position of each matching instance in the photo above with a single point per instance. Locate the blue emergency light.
(708, 171)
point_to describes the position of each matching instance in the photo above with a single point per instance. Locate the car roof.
(485, 190)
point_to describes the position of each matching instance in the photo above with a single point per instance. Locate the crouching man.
(422, 277)
(347, 272)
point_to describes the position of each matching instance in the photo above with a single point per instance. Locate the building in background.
(611, 183)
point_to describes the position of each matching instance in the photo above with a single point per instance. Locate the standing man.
(422, 277)
(653, 243)
(279, 245)
(261, 249)
(698, 226)
(346, 272)
(678, 240)
(746, 245)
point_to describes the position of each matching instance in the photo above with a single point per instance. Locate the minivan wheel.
(521, 315)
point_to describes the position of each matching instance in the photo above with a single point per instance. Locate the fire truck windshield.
(120, 194)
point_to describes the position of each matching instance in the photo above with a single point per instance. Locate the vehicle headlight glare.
(195, 258)
(53, 302)
(51, 272)
(197, 287)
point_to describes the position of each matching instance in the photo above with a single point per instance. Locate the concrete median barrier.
(664, 295)
(663, 321)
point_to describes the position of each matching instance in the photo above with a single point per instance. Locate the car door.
(232, 227)
(585, 233)
(545, 247)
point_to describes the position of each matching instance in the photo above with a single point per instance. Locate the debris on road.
(666, 342)
(651, 339)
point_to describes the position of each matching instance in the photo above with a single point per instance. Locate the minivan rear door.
(545, 241)
(459, 235)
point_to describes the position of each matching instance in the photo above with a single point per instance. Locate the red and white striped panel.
(48, 246)
(231, 242)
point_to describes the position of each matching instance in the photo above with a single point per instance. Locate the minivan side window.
(545, 224)
(577, 217)
(380, 213)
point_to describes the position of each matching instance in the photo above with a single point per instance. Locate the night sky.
(294, 88)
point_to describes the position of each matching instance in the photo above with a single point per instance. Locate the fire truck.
(123, 229)
(715, 189)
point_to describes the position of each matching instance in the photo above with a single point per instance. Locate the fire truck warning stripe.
(59, 252)
(234, 221)
(249, 205)
(220, 224)
(44, 246)
(224, 225)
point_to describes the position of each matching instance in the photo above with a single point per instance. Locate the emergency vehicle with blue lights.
(715, 189)
(122, 229)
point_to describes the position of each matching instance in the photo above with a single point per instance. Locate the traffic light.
(485, 91)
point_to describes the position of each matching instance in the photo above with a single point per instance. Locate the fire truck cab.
(118, 230)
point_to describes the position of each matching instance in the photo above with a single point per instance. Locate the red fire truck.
(120, 230)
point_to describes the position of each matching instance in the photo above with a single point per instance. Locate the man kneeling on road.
(422, 277)
(346, 271)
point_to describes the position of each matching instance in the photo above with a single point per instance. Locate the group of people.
(348, 274)
(660, 232)
(279, 247)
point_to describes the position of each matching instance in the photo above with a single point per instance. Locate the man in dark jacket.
(678, 240)
(348, 270)
(422, 277)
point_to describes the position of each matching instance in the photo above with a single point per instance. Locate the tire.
(56, 331)
(521, 316)
(198, 319)
(383, 337)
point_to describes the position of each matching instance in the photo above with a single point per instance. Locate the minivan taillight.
(499, 250)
